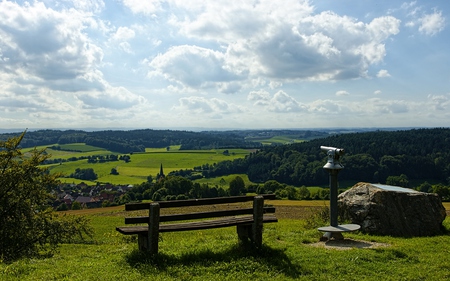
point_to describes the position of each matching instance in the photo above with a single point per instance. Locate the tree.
(62, 207)
(76, 206)
(237, 186)
(425, 187)
(29, 226)
(114, 171)
(84, 174)
(401, 180)
(272, 186)
(304, 193)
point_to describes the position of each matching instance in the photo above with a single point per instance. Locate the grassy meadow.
(291, 251)
(285, 139)
(141, 164)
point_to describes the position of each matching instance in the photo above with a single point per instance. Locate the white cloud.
(94, 6)
(45, 44)
(147, 7)
(325, 107)
(121, 37)
(342, 93)
(192, 66)
(428, 23)
(439, 102)
(112, 98)
(383, 73)
(377, 92)
(431, 24)
(281, 102)
(124, 34)
(229, 88)
(201, 105)
(258, 95)
(387, 106)
(277, 42)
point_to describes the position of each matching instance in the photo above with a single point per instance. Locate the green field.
(291, 251)
(276, 140)
(141, 164)
(82, 150)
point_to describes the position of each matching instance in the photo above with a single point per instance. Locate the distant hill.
(418, 154)
(137, 140)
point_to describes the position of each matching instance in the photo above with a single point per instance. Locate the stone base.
(335, 232)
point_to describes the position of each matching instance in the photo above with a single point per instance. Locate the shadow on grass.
(266, 257)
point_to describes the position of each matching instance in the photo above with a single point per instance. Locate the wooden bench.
(248, 221)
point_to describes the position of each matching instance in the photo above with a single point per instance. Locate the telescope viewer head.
(333, 157)
(337, 151)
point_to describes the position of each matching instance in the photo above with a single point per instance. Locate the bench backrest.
(197, 202)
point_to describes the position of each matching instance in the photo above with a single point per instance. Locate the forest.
(418, 154)
(137, 140)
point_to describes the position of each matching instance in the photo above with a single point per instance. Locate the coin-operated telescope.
(333, 157)
(333, 166)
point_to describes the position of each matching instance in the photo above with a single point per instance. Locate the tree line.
(122, 141)
(136, 140)
(180, 188)
(419, 154)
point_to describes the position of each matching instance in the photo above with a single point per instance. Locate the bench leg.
(244, 232)
(258, 216)
(153, 228)
(142, 242)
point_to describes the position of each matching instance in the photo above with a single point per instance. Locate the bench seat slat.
(198, 225)
(200, 215)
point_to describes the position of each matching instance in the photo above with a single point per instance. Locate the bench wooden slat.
(199, 215)
(248, 221)
(206, 224)
(195, 202)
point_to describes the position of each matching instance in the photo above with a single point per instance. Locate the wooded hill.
(416, 154)
(371, 156)
(138, 140)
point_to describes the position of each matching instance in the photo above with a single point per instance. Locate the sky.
(224, 64)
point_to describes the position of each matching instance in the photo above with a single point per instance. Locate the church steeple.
(161, 173)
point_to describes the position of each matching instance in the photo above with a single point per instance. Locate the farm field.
(291, 251)
(140, 166)
(276, 140)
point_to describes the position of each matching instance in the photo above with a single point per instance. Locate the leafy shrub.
(29, 226)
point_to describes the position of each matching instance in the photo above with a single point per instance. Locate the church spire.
(161, 173)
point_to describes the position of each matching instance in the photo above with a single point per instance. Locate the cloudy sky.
(224, 64)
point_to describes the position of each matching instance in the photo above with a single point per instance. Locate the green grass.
(82, 147)
(276, 140)
(141, 164)
(164, 149)
(82, 150)
(288, 254)
(227, 179)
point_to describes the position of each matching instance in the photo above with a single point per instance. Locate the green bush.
(29, 226)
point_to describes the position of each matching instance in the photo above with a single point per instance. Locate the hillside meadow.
(141, 165)
(291, 251)
(144, 164)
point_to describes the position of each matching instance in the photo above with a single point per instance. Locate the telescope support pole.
(333, 197)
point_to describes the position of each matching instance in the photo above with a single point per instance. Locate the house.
(88, 202)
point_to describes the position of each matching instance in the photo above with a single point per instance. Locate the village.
(82, 196)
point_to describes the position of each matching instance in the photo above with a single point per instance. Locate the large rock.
(391, 210)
